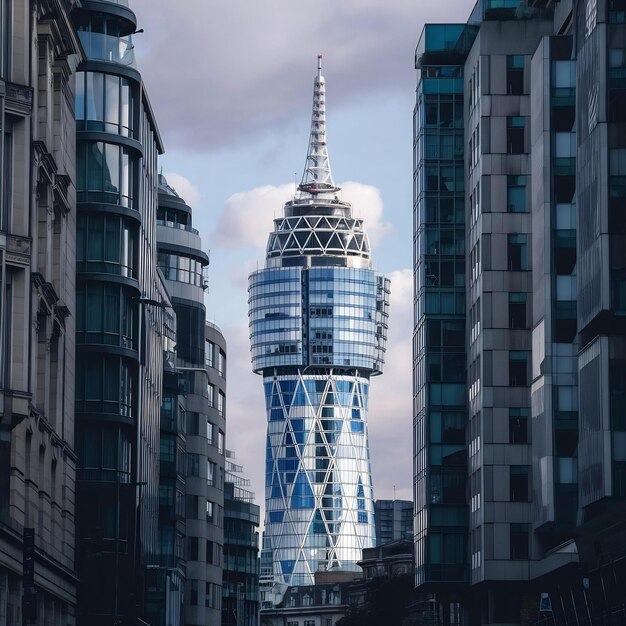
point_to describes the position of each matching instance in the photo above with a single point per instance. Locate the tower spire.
(317, 177)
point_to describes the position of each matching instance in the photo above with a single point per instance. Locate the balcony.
(100, 47)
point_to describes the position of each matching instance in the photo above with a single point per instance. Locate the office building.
(518, 329)
(318, 325)
(394, 520)
(38, 55)
(120, 321)
(195, 482)
(240, 602)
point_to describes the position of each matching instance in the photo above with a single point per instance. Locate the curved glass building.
(318, 326)
(120, 320)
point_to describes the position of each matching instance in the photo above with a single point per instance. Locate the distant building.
(38, 54)
(321, 604)
(193, 486)
(318, 326)
(385, 562)
(394, 520)
(240, 602)
(519, 335)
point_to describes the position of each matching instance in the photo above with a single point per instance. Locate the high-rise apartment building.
(318, 326)
(38, 55)
(194, 488)
(394, 520)
(120, 320)
(518, 340)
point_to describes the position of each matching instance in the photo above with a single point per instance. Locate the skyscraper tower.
(318, 326)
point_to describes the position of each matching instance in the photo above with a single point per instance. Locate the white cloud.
(184, 188)
(239, 272)
(367, 203)
(221, 72)
(245, 408)
(390, 416)
(247, 216)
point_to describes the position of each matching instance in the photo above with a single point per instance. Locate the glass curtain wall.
(440, 411)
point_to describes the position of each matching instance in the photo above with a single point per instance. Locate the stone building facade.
(38, 54)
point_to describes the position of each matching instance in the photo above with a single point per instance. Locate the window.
(182, 269)
(105, 244)
(211, 394)
(210, 471)
(517, 310)
(517, 252)
(220, 403)
(213, 596)
(105, 314)
(5, 38)
(214, 514)
(193, 592)
(210, 547)
(618, 289)
(192, 507)
(516, 194)
(210, 347)
(103, 103)
(193, 423)
(309, 622)
(220, 442)
(514, 74)
(105, 173)
(518, 425)
(519, 541)
(192, 549)
(7, 173)
(193, 464)
(515, 134)
(519, 483)
(518, 368)
(221, 363)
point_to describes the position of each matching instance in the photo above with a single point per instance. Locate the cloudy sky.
(231, 85)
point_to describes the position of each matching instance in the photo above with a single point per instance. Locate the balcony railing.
(100, 47)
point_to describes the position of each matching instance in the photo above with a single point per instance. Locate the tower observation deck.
(318, 327)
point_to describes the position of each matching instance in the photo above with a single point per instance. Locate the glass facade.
(181, 268)
(319, 496)
(119, 336)
(439, 335)
(344, 320)
(318, 327)
(104, 102)
(105, 173)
